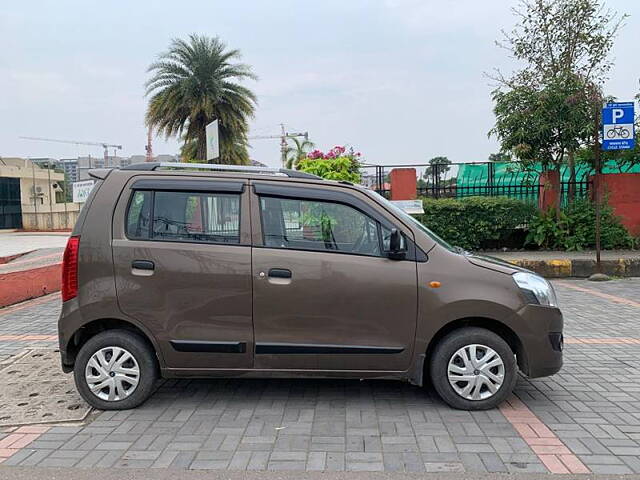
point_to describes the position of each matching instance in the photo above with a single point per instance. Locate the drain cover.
(33, 389)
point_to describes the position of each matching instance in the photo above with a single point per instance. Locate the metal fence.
(457, 180)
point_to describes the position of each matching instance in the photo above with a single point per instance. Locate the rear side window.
(184, 217)
(138, 220)
(318, 225)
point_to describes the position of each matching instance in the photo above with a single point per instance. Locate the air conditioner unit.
(36, 190)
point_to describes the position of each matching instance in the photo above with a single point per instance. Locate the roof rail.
(151, 166)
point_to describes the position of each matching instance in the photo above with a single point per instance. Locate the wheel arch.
(495, 326)
(94, 327)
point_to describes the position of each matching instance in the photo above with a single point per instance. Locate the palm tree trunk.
(201, 150)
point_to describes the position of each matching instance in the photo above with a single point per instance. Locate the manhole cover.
(33, 389)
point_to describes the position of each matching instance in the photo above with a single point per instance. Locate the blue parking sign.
(618, 132)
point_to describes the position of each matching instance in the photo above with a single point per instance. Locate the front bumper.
(541, 340)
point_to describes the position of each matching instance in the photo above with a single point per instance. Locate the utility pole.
(149, 147)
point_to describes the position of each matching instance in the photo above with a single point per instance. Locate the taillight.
(70, 269)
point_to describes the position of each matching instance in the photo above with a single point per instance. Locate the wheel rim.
(476, 372)
(112, 374)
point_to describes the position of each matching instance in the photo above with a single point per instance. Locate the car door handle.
(143, 265)
(279, 273)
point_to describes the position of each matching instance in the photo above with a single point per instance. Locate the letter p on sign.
(616, 114)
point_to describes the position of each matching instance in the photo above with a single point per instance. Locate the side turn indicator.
(434, 284)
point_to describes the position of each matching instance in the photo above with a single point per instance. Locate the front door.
(182, 258)
(326, 297)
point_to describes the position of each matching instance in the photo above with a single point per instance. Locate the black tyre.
(115, 370)
(473, 369)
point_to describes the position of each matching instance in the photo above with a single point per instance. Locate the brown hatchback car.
(186, 270)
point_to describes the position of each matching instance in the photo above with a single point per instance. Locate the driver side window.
(318, 225)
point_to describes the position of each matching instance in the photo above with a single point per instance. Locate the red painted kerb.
(622, 191)
(22, 285)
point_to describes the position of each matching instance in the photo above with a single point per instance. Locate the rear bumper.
(542, 340)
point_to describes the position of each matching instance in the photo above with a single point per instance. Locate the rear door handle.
(143, 265)
(279, 273)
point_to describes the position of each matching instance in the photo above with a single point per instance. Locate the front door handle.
(143, 265)
(279, 273)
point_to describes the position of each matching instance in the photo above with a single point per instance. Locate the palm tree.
(298, 152)
(195, 82)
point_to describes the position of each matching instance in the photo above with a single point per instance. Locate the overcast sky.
(400, 80)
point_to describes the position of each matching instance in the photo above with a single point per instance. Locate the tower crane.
(283, 140)
(104, 145)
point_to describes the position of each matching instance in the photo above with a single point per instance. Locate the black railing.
(493, 179)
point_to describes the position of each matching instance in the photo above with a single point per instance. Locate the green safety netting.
(510, 180)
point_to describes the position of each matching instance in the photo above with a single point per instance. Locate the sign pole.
(596, 185)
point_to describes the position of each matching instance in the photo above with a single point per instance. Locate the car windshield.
(405, 216)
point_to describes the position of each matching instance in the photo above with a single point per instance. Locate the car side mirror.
(397, 246)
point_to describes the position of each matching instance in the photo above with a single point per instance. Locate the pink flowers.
(336, 152)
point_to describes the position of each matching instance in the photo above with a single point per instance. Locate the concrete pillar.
(550, 190)
(403, 183)
(622, 193)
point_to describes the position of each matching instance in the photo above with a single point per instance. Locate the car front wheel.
(473, 369)
(115, 370)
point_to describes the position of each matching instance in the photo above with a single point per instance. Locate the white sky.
(400, 80)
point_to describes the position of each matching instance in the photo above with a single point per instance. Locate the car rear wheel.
(473, 369)
(115, 370)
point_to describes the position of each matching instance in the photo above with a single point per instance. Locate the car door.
(182, 261)
(325, 295)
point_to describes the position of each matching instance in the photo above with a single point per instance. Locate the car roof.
(222, 171)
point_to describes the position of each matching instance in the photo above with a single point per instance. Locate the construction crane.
(104, 145)
(283, 140)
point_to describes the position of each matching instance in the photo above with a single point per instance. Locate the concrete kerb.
(580, 268)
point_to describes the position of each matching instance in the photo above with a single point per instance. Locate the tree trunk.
(201, 146)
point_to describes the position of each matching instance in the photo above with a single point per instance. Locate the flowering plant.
(336, 164)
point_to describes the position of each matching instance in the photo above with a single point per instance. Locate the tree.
(564, 45)
(194, 83)
(298, 152)
(438, 166)
(499, 157)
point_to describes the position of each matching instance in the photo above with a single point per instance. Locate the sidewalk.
(559, 264)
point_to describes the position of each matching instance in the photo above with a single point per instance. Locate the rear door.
(326, 297)
(182, 260)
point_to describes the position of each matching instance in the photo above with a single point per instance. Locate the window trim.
(150, 237)
(260, 189)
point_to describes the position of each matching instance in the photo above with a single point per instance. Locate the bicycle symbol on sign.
(618, 132)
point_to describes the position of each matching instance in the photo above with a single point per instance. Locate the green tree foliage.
(195, 82)
(499, 157)
(542, 123)
(298, 152)
(476, 222)
(440, 164)
(547, 109)
(574, 228)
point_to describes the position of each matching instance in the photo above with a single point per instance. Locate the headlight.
(536, 289)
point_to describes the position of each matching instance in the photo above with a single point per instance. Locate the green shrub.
(476, 222)
(574, 228)
(341, 168)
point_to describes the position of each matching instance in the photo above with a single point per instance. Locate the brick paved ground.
(590, 410)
